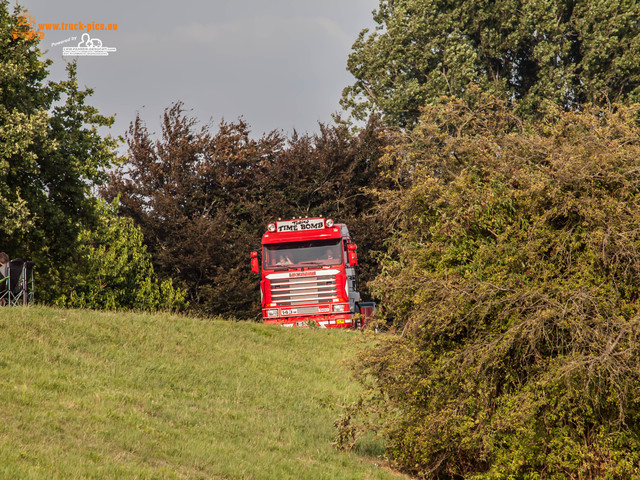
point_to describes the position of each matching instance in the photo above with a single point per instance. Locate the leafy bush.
(513, 277)
(114, 271)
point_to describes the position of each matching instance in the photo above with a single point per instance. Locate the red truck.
(309, 275)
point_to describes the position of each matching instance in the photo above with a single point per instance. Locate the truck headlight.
(272, 312)
(339, 308)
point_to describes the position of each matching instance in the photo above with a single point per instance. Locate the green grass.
(120, 395)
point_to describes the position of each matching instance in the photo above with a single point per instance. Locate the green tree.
(568, 51)
(115, 269)
(23, 127)
(513, 277)
(51, 158)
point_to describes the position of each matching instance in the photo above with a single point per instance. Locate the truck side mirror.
(254, 262)
(353, 256)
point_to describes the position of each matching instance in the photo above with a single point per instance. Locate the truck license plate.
(291, 311)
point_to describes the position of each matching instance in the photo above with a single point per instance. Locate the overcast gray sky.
(280, 64)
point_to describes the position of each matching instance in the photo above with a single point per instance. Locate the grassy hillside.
(115, 395)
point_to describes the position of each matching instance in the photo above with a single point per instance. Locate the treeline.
(203, 198)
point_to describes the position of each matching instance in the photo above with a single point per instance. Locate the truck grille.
(320, 288)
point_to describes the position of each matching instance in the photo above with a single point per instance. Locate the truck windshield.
(302, 254)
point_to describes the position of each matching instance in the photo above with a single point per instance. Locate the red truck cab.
(309, 274)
